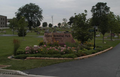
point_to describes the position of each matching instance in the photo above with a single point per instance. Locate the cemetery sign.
(61, 38)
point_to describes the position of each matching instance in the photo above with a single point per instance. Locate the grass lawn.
(6, 49)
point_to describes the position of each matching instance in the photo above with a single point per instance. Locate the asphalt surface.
(4, 75)
(103, 65)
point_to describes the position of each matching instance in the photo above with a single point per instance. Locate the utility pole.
(52, 20)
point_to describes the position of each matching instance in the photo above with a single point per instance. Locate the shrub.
(57, 55)
(16, 46)
(68, 51)
(69, 56)
(72, 44)
(34, 55)
(20, 52)
(41, 43)
(52, 51)
(23, 56)
(55, 43)
(88, 52)
(21, 32)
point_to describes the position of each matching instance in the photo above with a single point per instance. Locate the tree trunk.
(13, 31)
(103, 38)
(118, 35)
(111, 35)
(30, 28)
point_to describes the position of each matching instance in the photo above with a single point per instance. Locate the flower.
(61, 50)
(64, 45)
(47, 48)
(26, 52)
(27, 48)
(56, 49)
(44, 45)
(36, 51)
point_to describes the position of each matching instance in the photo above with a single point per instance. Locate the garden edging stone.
(82, 57)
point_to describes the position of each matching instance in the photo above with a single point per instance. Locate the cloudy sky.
(59, 9)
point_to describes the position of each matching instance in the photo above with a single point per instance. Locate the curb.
(82, 57)
(4, 66)
(91, 55)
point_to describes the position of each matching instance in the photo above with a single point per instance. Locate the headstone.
(61, 38)
(27, 31)
(115, 36)
(47, 31)
(98, 35)
(4, 32)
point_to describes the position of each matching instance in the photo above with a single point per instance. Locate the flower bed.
(57, 51)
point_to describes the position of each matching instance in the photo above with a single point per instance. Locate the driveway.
(103, 65)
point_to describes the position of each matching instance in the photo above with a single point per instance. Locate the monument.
(61, 38)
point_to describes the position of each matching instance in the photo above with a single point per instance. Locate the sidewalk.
(16, 73)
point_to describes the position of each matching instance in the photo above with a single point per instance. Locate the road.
(103, 65)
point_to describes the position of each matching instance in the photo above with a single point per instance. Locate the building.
(3, 21)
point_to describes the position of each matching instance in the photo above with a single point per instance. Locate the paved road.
(39, 36)
(104, 65)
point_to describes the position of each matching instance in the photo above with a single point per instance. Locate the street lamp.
(94, 36)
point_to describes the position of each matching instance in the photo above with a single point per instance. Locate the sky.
(59, 9)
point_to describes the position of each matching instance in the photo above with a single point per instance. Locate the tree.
(50, 25)
(65, 22)
(111, 23)
(31, 12)
(100, 17)
(59, 24)
(36, 24)
(117, 25)
(71, 20)
(13, 24)
(21, 27)
(44, 24)
(81, 28)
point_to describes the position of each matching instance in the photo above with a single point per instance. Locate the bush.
(69, 56)
(23, 56)
(21, 32)
(68, 51)
(72, 44)
(16, 46)
(41, 43)
(56, 55)
(20, 52)
(89, 52)
(52, 51)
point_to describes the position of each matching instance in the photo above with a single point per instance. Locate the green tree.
(59, 24)
(31, 12)
(50, 25)
(13, 24)
(71, 19)
(81, 28)
(100, 17)
(36, 24)
(117, 25)
(111, 23)
(21, 27)
(44, 24)
(65, 22)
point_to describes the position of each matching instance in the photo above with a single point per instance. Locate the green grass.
(6, 49)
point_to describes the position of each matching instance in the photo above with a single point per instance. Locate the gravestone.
(61, 38)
